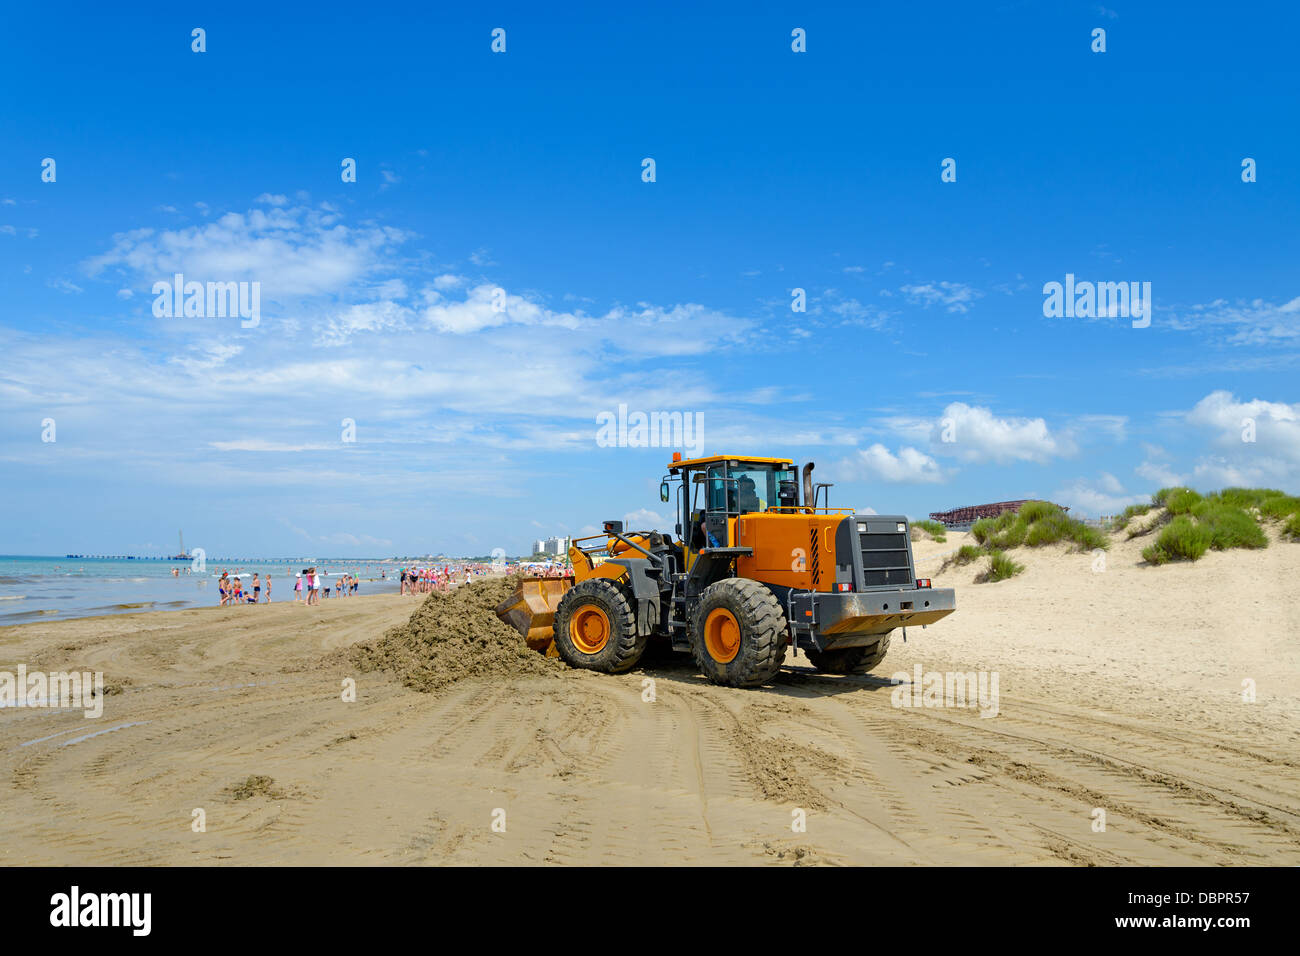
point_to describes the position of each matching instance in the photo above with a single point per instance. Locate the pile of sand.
(452, 636)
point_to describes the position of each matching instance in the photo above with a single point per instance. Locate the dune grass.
(1187, 525)
(933, 528)
(1219, 520)
(1279, 506)
(1180, 538)
(1036, 524)
(963, 555)
(1132, 511)
(1001, 567)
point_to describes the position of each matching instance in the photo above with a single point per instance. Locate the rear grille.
(885, 559)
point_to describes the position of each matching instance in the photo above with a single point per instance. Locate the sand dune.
(1119, 690)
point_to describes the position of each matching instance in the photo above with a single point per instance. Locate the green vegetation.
(1220, 520)
(1181, 538)
(933, 528)
(1161, 497)
(1279, 506)
(964, 555)
(1230, 527)
(1247, 498)
(1181, 501)
(1036, 524)
(1186, 525)
(1131, 512)
(1001, 567)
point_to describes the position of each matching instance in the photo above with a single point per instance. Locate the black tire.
(851, 660)
(622, 647)
(762, 633)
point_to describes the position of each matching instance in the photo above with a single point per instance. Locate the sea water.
(54, 589)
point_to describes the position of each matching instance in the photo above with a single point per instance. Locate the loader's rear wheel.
(851, 660)
(595, 628)
(738, 633)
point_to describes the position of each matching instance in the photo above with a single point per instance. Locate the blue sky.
(522, 171)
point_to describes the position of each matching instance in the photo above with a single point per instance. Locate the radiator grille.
(885, 559)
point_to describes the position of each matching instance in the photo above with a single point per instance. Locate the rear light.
(922, 582)
(844, 586)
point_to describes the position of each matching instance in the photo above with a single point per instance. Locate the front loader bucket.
(531, 610)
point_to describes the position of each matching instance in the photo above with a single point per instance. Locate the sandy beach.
(1119, 690)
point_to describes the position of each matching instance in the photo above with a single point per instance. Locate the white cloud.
(879, 463)
(1104, 495)
(272, 199)
(1256, 441)
(291, 252)
(1243, 322)
(976, 435)
(259, 444)
(953, 296)
(384, 315)
(643, 519)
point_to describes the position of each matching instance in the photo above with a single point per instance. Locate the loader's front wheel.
(738, 633)
(851, 660)
(595, 628)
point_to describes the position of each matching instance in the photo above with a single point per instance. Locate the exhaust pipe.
(808, 499)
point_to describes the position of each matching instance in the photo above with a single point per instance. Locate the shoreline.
(156, 603)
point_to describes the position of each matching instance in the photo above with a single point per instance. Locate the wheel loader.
(755, 570)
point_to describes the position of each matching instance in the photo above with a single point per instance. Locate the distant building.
(960, 519)
(539, 546)
(556, 546)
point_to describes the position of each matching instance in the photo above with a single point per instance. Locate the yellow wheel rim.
(722, 635)
(589, 629)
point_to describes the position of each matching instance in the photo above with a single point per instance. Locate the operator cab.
(719, 487)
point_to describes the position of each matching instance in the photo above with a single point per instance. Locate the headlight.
(902, 526)
(862, 527)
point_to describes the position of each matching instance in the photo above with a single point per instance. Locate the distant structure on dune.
(960, 519)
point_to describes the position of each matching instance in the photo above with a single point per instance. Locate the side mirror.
(663, 491)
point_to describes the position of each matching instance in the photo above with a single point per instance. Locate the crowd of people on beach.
(427, 580)
(308, 587)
